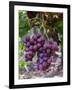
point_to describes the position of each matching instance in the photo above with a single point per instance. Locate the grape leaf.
(24, 25)
(23, 64)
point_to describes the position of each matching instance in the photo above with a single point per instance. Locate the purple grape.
(42, 39)
(28, 59)
(45, 58)
(38, 35)
(54, 47)
(55, 43)
(49, 60)
(45, 54)
(44, 64)
(40, 60)
(40, 49)
(29, 52)
(27, 49)
(41, 55)
(54, 58)
(45, 46)
(31, 48)
(39, 40)
(38, 45)
(35, 42)
(49, 46)
(24, 41)
(28, 56)
(28, 44)
(48, 51)
(27, 38)
(35, 47)
(40, 67)
(50, 41)
(45, 50)
(34, 37)
(42, 43)
(32, 42)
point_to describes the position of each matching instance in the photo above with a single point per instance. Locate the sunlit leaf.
(23, 64)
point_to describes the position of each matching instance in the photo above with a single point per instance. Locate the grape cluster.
(32, 45)
(45, 50)
(46, 54)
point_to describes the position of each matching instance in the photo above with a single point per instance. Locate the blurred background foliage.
(24, 24)
(50, 22)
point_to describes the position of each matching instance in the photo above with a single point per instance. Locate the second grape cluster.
(44, 48)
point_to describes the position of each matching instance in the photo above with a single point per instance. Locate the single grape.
(41, 55)
(40, 60)
(40, 67)
(55, 43)
(32, 42)
(38, 45)
(55, 47)
(42, 40)
(31, 48)
(45, 54)
(54, 58)
(48, 51)
(39, 40)
(42, 43)
(35, 47)
(24, 41)
(49, 60)
(40, 49)
(28, 59)
(35, 42)
(50, 41)
(44, 51)
(49, 46)
(45, 58)
(45, 46)
(38, 35)
(28, 56)
(26, 49)
(29, 53)
(28, 44)
(44, 64)
(27, 38)
(34, 37)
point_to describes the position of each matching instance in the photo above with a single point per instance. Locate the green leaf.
(21, 46)
(24, 25)
(23, 64)
(59, 26)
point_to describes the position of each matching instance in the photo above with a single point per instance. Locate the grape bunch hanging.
(44, 48)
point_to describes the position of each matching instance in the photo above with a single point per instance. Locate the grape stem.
(42, 25)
